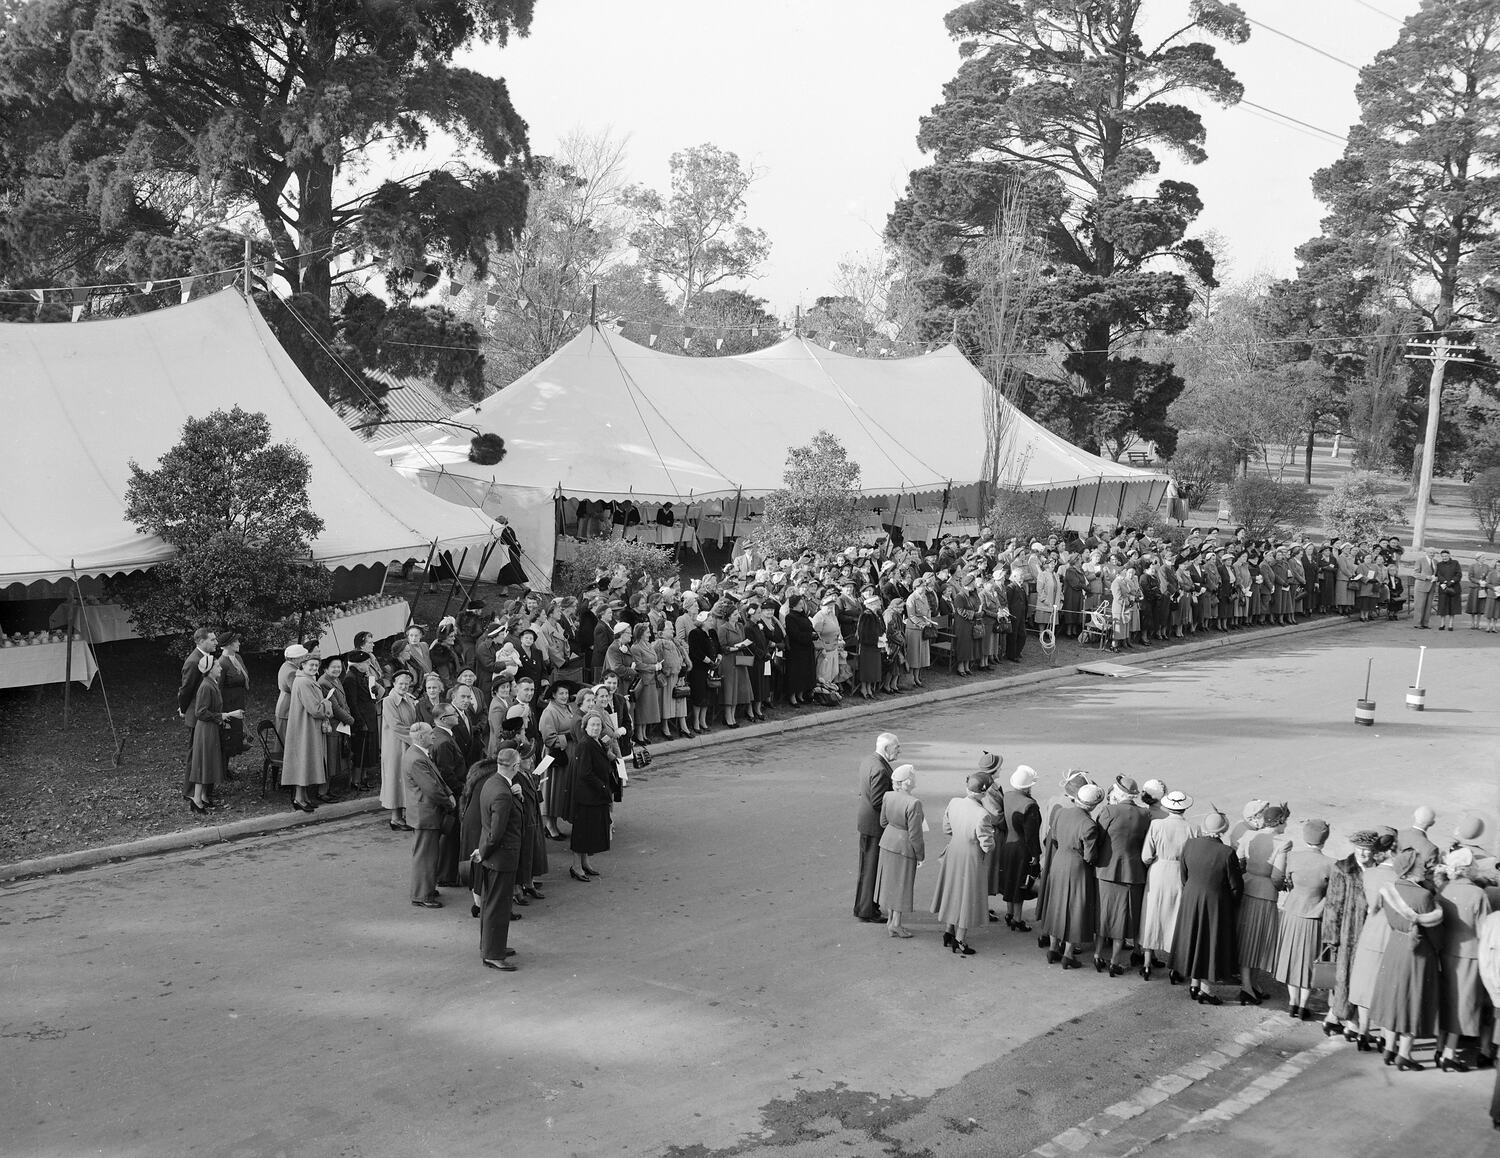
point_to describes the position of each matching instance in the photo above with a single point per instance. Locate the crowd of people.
(1396, 942)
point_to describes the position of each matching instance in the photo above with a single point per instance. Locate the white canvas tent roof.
(605, 417)
(80, 401)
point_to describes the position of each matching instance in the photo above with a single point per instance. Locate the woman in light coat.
(1162, 855)
(921, 613)
(1048, 595)
(398, 712)
(304, 760)
(331, 679)
(672, 653)
(961, 900)
(902, 849)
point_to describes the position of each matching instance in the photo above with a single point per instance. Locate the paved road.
(711, 994)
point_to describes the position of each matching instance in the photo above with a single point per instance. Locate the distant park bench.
(1138, 458)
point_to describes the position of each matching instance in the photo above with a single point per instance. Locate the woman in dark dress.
(801, 657)
(364, 689)
(206, 761)
(1021, 850)
(868, 630)
(760, 651)
(1069, 912)
(331, 681)
(1205, 948)
(1406, 988)
(703, 653)
(595, 788)
(234, 688)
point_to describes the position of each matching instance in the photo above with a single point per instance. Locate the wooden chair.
(271, 751)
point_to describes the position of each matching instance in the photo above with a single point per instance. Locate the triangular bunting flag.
(148, 287)
(40, 295)
(653, 333)
(833, 345)
(491, 297)
(755, 331)
(522, 302)
(186, 285)
(80, 296)
(567, 314)
(719, 342)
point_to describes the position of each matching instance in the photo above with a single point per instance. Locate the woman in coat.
(434, 699)
(870, 659)
(206, 761)
(398, 712)
(902, 849)
(331, 684)
(1490, 589)
(1300, 942)
(595, 787)
(1262, 851)
(1019, 856)
(364, 689)
(1369, 576)
(703, 654)
(645, 697)
(960, 899)
(1406, 989)
(1204, 948)
(965, 606)
(801, 653)
(1048, 595)
(234, 690)
(1161, 854)
(1074, 590)
(921, 616)
(1447, 580)
(734, 660)
(1373, 850)
(893, 660)
(760, 651)
(1478, 593)
(672, 653)
(1462, 1011)
(556, 728)
(1070, 917)
(304, 760)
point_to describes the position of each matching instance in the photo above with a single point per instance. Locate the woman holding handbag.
(1406, 989)
(675, 688)
(735, 659)
(646, 694)
(596, 786)
(703, 678)
(1299, 944)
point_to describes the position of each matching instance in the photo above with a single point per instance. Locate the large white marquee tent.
(607, 418)
(80, 401)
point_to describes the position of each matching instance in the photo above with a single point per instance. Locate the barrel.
(1364, 712)
(1416, 699)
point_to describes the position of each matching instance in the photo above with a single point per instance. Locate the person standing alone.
(874, 782)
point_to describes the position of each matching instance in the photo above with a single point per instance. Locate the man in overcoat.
(874, 782)
(498, 857)
(428, 804)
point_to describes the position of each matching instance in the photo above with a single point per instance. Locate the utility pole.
(1439, 353)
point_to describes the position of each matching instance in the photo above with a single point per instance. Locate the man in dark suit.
(1120, 872)
(448, 757)
(194, 668)
(874, 782)
(428, 804)
(1415, 837)
(498, 857)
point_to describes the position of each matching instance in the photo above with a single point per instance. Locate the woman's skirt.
(1297, 950)
(646, 701)
(1071, 910)
(1367, 956)
(828, 667)
(1159, 912)
(1406, 991)
(869, 664)
(1473, 605)
(1461, 1010)
(895, 876)
(672, 707)
(963, 640)
(1120, 910)
(1448, 602)
(1259, 930)
(736, 689)
(590, 829)
(918, 651)
(1008, 876)
(557, 791)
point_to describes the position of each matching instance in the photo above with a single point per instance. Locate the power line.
(1380, 12)
(1295, 121)
(1303, 43)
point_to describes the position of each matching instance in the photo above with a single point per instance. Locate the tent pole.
(411, 604)
(895, 513)
(682, 529)
(68, 662)
(593, 302)
(483, 560)
(1099, 486)
(734, 525)
(456, 583)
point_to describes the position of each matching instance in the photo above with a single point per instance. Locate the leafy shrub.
(814, 509)
(1266, 506)
(1484, 500)
(1358, 508)
(1201, 464)
(644, 563)
(1016, 514)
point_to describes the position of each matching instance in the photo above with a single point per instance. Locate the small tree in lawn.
(815, 508)
(1266, 506)
(1018, 514)
(1201, 464)
(1484, 500)
(234, 506)
(644, 564)
(1358, 508)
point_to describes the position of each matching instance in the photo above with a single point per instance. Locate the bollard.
(1416, 699)
(1364, 712)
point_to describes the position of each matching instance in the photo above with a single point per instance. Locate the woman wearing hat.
(1262, 854)
(291, 663)
(960, 900)
(1070, 916)
(646, 694)
(801, 651)
(1448, 580)
(1406, 989)
(1373, 851)
(556, 729)
(1018, 858)
(1299, 945)
(305, 753)
(921, 613)
(1204, 944)
(1343, 921)
(1162, 854)
(1465, 906)
(703, 655)
(867, 632)
(1121, 874)
(398, 712)
(902, 849)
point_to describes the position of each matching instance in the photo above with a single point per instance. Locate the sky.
(823, 98)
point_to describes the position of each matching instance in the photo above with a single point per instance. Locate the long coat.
(397, 714)
(801, 660)
(206, 765)
(1343, 921)
(1165, 839)
(305, 759)
(1022, 846)
(961, 899)
(901, 847)
(427, 797)
(1205, 946)
(1121, 872)
(1071, 911)
(234, 689)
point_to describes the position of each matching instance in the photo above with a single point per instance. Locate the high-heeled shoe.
(1021, 927)
(592, 871)
(473, 910)
(1363, 1042)
(1117, 971)
(1389, 1057)
(1452, 1065)
(963, 948)
(949, 940)
(1248, 998)
(1053, 957)
(1100, 964)
(1405, 1063)
(1203, 998)
(199, 809)
(1145, 973)
(401, 826)
(1332, 1027)
(1072, 963)
(1294, 1012)
(534, 893)
(1175, 977)
(578, 876)
(1043, 941)
(994, 916)
(304, 807)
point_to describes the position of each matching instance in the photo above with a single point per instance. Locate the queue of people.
(1399, 941)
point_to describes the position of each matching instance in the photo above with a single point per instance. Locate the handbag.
(1324, 975)
(681, 690)
(978, 630)
(929, 631)
(743, 660)
(640, 756)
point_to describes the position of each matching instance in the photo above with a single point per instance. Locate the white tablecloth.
(107, 622)
(663, 536)
(378, 621)
(46, 663)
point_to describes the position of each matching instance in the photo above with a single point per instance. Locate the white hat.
(1023, 777)
(1176, 801)
(1090, 795)
(1155, 789)
(295, 651)
(622, 629)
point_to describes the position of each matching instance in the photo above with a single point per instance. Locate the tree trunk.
(315, 230)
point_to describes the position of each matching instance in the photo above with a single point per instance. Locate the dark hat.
(1315, 833)
(989, 762)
